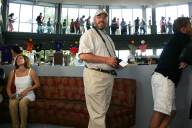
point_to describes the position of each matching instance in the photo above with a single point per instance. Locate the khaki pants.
(98, 90)
(19, 112)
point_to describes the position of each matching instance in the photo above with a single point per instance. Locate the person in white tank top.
(25, 81)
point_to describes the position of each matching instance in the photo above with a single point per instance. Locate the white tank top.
(22, 83)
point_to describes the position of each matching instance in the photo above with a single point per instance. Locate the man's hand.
(182, 65)
(112, 62)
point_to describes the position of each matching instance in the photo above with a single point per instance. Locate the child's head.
(183, 25)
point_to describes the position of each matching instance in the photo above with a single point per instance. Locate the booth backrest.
(67, 88)
(72, 88)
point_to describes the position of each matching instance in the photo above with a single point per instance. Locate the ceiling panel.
(132, 3)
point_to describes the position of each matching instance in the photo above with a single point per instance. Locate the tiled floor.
(35, 126)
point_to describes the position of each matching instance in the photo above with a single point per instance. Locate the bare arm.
(89, 57)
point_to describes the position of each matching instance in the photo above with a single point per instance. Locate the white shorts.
(163, 90)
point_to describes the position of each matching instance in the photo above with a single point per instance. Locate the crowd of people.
(126, 29)
(81, 24)
(166, 26)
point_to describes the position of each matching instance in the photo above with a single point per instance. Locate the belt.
(112, 72)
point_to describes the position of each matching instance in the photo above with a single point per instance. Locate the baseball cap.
(101, 11)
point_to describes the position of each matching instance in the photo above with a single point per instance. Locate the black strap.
(105, 41)
(190, 114)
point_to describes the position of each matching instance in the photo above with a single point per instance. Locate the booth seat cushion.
(74, 113)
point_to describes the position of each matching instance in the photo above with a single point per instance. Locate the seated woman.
(25, 81)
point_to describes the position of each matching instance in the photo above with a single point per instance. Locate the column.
(107, 29)
(154, 26)
(190, 9)
(58, 11)
(4, 13)
(144, 14)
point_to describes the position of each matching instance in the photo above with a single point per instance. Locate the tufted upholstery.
(61, 100)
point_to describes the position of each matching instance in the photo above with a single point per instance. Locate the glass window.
(138, 52)
(25, 27)
(16, 26)
(72, 14)
(25, 18)
(15, 8)
(123, 54)
(117, 53)
(148, 19)
(183, 10)
(159, 13)
(115, 13)
(92, 14)
(127, 15)
(50, 13)
(34, 27)
(36, 11)
(64, 14)
(171, 12)
(84, 12)
(158, 52)
(148, 13)
(137, 13)
(149, 52)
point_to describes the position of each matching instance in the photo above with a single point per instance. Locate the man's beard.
(101, 27)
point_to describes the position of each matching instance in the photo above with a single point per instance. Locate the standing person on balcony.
(98, 51)
(88, 23)
(64, 26)
(82, 22)
(40, 21)
(49, 26)
(137, 21)
(11, 20)
(167, 74)
(20, 88)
